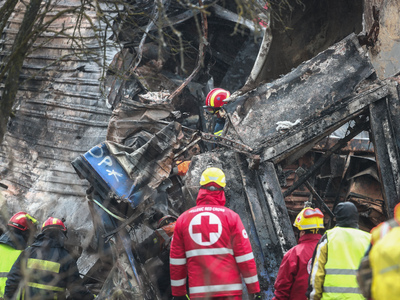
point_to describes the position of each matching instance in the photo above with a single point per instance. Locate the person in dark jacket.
(46, 268)
(20, 231)
(292, 280)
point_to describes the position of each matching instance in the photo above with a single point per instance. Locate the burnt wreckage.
(281, 147)
(325, 132)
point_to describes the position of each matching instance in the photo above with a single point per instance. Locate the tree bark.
(19, 51)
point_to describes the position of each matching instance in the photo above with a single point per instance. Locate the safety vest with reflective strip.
(346, 247)
(44, 267)
(8, 255)
(385, 263)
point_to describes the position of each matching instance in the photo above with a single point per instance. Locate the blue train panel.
(106, 175)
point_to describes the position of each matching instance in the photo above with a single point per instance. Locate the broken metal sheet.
(126, 278)
(386, 150)
(355, 145)
(317, 93)
(257, 198)
(130, 174)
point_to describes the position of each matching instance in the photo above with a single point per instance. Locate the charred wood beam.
(386, 151)
(271, 222)
(342, 142)
(300, 171)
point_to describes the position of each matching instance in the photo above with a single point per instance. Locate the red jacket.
(292, 280)
(211, 246)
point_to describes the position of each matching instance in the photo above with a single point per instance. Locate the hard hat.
(215, 98)
(54, 223)
(309, 218)
(168, 219)
(213, 175)
(22, 221)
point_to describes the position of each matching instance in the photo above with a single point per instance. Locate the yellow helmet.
(309, 218)
(213, 175)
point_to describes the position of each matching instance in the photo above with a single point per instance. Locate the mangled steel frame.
(323, 93)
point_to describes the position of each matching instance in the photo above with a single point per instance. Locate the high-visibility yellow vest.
(8, 255)
(346, 247)
(385, 263)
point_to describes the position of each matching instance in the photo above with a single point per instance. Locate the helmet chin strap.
(212, 188)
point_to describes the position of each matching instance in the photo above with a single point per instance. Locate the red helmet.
(22, 221)
(216, 97)
(168, 219)
(54, 223)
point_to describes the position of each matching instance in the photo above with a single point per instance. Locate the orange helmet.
(215, 99)
(168, 219)
(22, 221)
(54, 223)
(309, 218)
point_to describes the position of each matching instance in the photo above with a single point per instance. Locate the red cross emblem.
(205, 228)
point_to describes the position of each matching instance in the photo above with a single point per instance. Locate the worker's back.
(385, 263)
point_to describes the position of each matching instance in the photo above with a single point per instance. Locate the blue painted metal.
(105, 173)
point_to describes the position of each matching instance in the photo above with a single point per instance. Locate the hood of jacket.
(50, 239)
(13, 239)
(207, 197)
(346, 215)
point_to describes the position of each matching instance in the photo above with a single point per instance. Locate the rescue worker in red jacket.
(210, 245)
(292, 280)
(46, 268)
(214, 101)
(21, 229)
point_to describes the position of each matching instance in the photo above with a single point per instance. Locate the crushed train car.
(271, 173)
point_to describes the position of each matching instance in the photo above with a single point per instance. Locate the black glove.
(181, 298)
(256, 296)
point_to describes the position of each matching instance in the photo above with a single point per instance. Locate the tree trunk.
(18, 53)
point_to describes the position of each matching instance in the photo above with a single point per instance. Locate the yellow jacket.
(8, 256)
(385, 263)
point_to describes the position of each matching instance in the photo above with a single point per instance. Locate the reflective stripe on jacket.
(385, 263)
(211, 246)
(48, 269)
(8, 256)
(336, 260)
